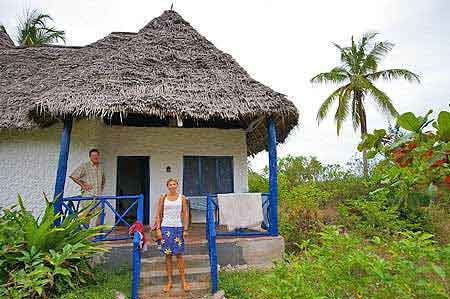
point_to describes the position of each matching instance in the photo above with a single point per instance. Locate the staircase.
(153, 277)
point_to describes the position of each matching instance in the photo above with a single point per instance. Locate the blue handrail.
(72, 205)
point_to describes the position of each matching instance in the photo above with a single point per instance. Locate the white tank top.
(172, 212)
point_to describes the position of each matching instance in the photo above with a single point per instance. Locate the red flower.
(428, 154)
(447, 180)
(405, 163)
(438, 163)
(411, 146)
(398, 153)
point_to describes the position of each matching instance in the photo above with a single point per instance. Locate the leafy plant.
(33, 30)
(38, 258)
(414, 176)
(345, 266)
(418, 163)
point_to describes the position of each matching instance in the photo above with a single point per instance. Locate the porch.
(250, 247)
(258, 251)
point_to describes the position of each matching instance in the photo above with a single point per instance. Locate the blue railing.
(137, 252)
(211, 234)
(72, 205)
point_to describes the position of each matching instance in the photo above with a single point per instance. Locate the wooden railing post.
(273, 176)
(62, 166)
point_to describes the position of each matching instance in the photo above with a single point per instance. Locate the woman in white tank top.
(173, 219)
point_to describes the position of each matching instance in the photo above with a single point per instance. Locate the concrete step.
(198, 289)
(159, 277)
(159, 263)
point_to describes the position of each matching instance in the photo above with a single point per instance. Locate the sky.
(283, 44)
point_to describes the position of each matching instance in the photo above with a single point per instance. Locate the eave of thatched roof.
(165, 70)
(5, 40)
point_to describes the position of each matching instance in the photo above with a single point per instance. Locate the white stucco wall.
(28, 159)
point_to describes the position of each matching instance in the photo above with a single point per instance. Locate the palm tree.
(356, 75)
(33, 30)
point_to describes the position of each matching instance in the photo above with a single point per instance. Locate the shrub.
(300, 215)
(344, 266)
(38, 258)
(414, 175)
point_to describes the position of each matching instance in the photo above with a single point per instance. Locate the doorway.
(133, 178)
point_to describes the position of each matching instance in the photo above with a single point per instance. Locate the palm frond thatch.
(5, 40)
(167, 70)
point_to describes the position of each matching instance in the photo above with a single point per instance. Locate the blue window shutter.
(208, 175)
(225, 175)
(191, 183)
(202, 175)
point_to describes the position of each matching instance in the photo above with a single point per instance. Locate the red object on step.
(139, 228)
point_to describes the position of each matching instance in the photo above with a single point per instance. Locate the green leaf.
(371, 154)
(444, 126)
(439, 271)
(409, 121)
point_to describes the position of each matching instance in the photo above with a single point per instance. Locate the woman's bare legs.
(180, 263)
(169, 273)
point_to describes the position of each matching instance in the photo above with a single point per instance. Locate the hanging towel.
(240, 210)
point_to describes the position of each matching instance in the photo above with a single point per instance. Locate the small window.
(202, 175)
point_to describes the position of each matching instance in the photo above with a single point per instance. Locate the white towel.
(240, 210)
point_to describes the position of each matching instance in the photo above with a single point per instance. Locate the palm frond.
(343, 107)
(33, 30)
(374, 57)
(323, 110)
(356, 120)
(381, 99)
(367, 38)
(335, 76)
(393, 74)
(346, 57)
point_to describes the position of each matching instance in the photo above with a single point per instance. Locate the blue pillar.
(212, 248)
(273, 176)
(140, 208)
(136, 267)
(62, 164)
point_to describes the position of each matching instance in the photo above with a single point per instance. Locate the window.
(202, 175)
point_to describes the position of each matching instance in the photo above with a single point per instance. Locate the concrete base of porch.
(252, 251)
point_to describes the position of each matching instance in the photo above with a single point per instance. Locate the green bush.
(38, 258)
(373, 216)
(413, 174)
(345, 266)
(300, 216)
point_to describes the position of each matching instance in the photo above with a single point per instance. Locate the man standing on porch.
(90, 177)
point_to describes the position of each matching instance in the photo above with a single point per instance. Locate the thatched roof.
(166, 70)
(5, 40)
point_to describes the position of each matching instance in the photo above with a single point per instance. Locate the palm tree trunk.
(363, 125)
